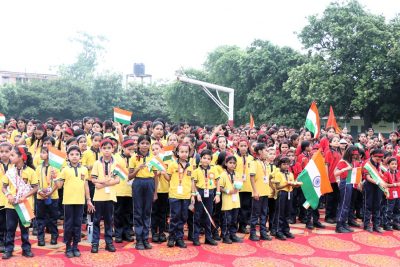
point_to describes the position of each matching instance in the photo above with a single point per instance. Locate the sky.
(165, 35)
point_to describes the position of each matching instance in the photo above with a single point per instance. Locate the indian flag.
(121, 172)
(373, 172)
(167, 153)
(56, 158)
(354, 176)
(315, 181)
(122, 116)
(157, 163)
(312, 121)
(2, 118)
(25, 212)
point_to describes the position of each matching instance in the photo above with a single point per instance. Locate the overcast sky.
(163, 34)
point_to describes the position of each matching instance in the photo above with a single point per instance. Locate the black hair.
(178, 147)
(390, 160)
(206, 152)
(69, 141)
(72, 148)
(51, 139)
(108, 125)
(79, 132)
(29, 160)
(227, 159)
(6, 144)
(348, 154)
(96, 135)
(284, 142)
(304, 145)
(221, 136)
(144, 137)
(221, 158)
(39, 127)
(376, 151)
(259, 147)
(138, 124)
(50, 126)
(283, 160)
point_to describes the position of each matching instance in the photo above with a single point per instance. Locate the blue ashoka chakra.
(317, 181)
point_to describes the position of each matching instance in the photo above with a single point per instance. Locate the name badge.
(244, 177)
(265, 179)
(206, 193)
(179, 190)
(395, 194)
(234, 197)
(107, 190)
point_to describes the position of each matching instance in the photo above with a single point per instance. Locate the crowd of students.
(220, 181)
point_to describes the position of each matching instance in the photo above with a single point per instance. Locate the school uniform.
(217, 215)
(332, 158)
(242, 171)
(180, 188)
(89, 157)
(47, 210)
(205, 180)
(14, 134)
(103, 199)
(295, 169)
(259, 209)
(391, 220)
(74, 200)
(272, 170)
(123, 210)
(283, 203)
(230, 205)
(28, 176)
(3, 200)
(143, 187)
(160, 207)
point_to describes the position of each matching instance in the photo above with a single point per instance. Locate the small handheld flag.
(25, 212)
(2, 118)
(332, 121)
(167, 153)
(122, 116)
(56, 158)
(157, 163)
(120, 172)
(312, 121)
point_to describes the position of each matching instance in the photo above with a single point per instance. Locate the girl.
(97, 127)
(82, 143)
(181, 186)
(349, 161)
(230, 185)
(206, 182)
(143, 190)
(216, 216)
(123, 207)
(74, 179)
(392, 178)
(283, 147)
(157, 132)
(47, 199)
(243, 159)
(19, 184)
(332, 157)
(87, 127)
(21, 129)
(104, 180)
(5, 150)
(160, 205)
(221, 143)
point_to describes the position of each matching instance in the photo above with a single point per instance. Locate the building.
(12, 77)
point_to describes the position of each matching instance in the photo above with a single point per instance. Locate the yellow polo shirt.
(45, 180)
(3, 199)
(204, 181)
(229, 202)
(181, 176)
(98, 171)
(260, 171)
(283, 180)
(89, 158)
(242, 171)
(74, 184)
(163, 184)
(136, 161)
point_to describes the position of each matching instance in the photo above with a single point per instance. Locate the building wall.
(11, 77)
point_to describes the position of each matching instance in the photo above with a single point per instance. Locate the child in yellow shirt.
(5, 150)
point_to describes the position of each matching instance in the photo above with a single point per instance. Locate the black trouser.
(47, 215)
(245, 209)
(229, 223)
(200, 217)
(179, 215)
(294, 210)
(143, 194)
(302, 211)
(105, 211)
(216, 215)
(259, 213)
(3, 225)
(312, 214)
(60, 202)
(12, 223)
(271, 211)
(389, 217)
(346, 191)
(282, 212)
(123, 216)
(159, 214)
(332, 201)
(72, 224)
(372, 204)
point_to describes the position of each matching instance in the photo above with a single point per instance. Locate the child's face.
(284, 166)
(144, 145)
(74, 156)
(263, 153)
(96, 128)
(231, 165)
(14, 158)
(389, 148)
(271, 155)
(4, 153)
(173, 141)
(183, 152)
(130, 150)
(158, 131)
(82, 144)
(284, 148)
(221, 143)
(107, 150)
(155, 149)
(290, 156)
(393, 165)
(335, 142)
(243, 147)
(96, 142)
(370, 143)
(309, 148)
(205, 160)
(43, 155)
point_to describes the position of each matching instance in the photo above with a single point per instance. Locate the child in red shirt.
(392, 178)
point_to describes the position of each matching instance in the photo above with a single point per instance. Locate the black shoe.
(378, 230)
(179, 243)
(146, 244)
(211, 242)
(319, 225)
(289, 235)
(236, 239)
(95, 248)
(330, 220)
(388, 228)
(27, 253)
(76, 252)
(347, 227)
(131, 232)
(309, 226)
(53, 240)
(292, 221)
(69, 254)
(171, 243)
(128, 238)
(280, 236)
(41, 243)
(368, 229)
(190, 238)
(196, 243)
(341, 230)
(265, 237)
(243, 230)
(273, 233)
(139, 245)
(155, 238)
(2, 248)
(353, 223)
(110, 247)
(162, 238)
(254, 237)
(227, 240)
(396, 227)
(7, 255)
(216, 236)
(34, 231)
(118, 239)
